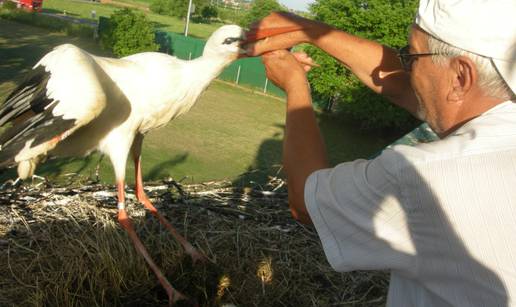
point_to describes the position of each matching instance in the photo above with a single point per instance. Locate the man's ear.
(464, 78)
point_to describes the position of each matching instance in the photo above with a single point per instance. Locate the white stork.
(73, 103)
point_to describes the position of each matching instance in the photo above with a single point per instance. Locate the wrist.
(298, 93)
(296, 83)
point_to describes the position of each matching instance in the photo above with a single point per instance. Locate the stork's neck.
(207, 67)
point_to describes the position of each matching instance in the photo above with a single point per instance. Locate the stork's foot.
(173, 295)
(195, 254)
(189, 249)
(34, 176)
(44, 180)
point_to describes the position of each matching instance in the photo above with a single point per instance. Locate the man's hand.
(287, 70)
(310, 31)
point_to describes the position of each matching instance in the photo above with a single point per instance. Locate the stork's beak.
(241, 45)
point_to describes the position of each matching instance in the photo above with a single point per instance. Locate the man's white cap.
(484, 27)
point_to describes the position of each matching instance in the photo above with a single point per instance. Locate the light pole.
(188, 16)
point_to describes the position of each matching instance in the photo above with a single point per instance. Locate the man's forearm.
(303, 148)
(377, 66)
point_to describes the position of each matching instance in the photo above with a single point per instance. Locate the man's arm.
(377, 66)
(303, 147)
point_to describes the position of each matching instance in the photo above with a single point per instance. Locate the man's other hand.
(287, 70)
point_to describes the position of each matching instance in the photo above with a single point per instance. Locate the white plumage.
(73, 103)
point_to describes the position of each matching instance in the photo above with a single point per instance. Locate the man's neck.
(470, 109)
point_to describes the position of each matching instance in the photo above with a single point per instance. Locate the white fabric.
(441, 216)
(484, 27)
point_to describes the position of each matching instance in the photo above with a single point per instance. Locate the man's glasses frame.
(407, 58)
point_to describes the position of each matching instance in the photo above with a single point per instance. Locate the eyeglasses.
(407, 58)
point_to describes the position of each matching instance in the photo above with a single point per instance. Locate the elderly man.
(440, 216)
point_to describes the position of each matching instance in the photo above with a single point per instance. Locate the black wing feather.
(30, 110)
(31, 94)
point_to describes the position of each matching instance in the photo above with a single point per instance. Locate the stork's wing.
(62, 93)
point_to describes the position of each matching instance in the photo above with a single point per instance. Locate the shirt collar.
(505, 111)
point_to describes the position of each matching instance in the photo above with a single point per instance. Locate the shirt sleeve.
(356, 208)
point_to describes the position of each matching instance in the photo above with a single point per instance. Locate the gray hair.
(489, 80)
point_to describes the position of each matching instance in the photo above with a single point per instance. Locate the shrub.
(230, 15)
(9, 5)
(128, 32)
(163, 7)
(209, 11)
(176, 8)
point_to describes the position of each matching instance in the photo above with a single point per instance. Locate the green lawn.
(230, 132)
(82, 9)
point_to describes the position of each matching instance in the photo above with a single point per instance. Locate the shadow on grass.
(344, 142)
(16, 61)
(267, 164)
(162, 169)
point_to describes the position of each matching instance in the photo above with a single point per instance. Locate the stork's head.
(225, 42)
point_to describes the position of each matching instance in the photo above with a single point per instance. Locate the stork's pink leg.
(125, 221)
(142, 197)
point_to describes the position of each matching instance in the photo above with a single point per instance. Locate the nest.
(62, 246)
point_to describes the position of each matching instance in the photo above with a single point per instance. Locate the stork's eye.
(231, 40)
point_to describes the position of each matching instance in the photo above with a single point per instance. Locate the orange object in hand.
(258, 34)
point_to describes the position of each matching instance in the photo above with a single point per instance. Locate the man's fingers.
(305, 59)
(280, 54)
(301, 55)
(302, 58)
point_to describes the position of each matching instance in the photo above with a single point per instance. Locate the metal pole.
(238, 74)
(188, 16)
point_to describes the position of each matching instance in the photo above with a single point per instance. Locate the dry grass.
(62, 246)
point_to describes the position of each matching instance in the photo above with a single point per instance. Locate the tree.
(176, 8)
(385, 21)
(162, 7)
(260, 9)
(129, 32)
